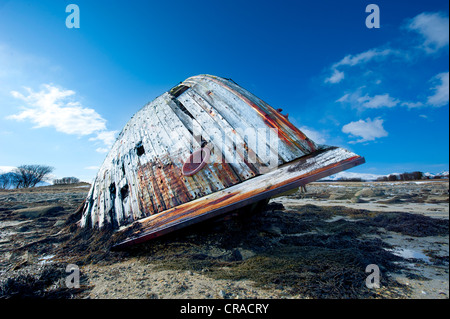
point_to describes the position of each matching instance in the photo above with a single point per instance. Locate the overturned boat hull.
(200, 150)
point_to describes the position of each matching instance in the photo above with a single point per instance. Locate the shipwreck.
(203, 149)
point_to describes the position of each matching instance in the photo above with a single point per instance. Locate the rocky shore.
(306, 245)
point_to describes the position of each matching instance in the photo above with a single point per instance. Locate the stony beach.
(304, 245)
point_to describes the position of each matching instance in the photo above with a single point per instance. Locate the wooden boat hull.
(202, 149)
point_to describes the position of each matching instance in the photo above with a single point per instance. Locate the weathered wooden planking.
(290, 136)
(240, 117)
(246, 151)
(286, 129)
(217, 137)
(222, 173)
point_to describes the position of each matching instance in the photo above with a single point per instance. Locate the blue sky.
(382, 93)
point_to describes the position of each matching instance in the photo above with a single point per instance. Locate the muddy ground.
(305, 245)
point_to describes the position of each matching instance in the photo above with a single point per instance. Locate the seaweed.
(409, 224)
(46, 283)
(305, 256)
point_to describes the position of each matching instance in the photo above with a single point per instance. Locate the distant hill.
(373, 177)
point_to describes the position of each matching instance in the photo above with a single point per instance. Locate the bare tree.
(30, 175)
(6, 180)
(9, 180)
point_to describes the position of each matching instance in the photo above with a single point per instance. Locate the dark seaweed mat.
(298, 252)
(43, 282)
(409, 224)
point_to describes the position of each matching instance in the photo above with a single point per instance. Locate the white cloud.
(357, 100)
(434, 29)
(368, 130)
(353, 60)
(364, 57)
(313, 134)
(344, 98)
(336, 77)
(55, 107)
(441, 95)
(108, 137)
(50, 108)
(377, 101)
(412, 105)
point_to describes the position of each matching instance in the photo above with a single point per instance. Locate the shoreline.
(287, 251)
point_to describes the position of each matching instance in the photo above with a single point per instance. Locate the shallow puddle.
(410, 254)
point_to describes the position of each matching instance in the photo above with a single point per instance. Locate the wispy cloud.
(441, 94)
(358, 100)
(364, 57)
(412, 105)
(358, 59)
(368, 130)
(336, 77)
(433, 28)
(55, 107)
(362, 101)
(107, 137)
(378, 101)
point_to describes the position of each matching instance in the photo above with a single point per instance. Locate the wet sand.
(305, 245)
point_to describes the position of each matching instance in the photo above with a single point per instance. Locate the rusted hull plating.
(145, 178)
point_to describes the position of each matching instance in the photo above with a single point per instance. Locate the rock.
(23, 229)
(238, 254)
(358, 200)
(245, 254)
(59, 223)
(40, 211)
(222, 294)
(18, 207)
(369, 192)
